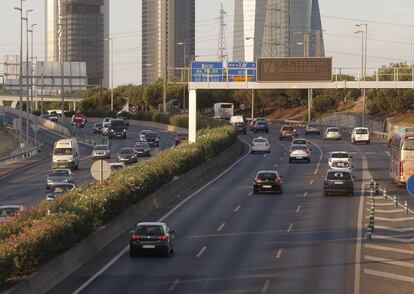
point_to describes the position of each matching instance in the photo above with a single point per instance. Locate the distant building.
(277, 28)
(176, 19)
(76, 31)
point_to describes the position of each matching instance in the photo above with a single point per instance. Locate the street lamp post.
(27, 76)
(184, 68)
(21, 73)
(32, 66)
(363, 71)
(111, 40)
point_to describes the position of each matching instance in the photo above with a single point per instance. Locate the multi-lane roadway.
(229, 240)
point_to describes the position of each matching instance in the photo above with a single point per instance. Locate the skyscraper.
(168, 31)
(277, 28)
(76, 31)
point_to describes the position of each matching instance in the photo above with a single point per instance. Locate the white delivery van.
(66, 154)
(360, 135)
(237, 119)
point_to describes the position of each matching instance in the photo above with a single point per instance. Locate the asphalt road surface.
(27, 185)
(229, 240)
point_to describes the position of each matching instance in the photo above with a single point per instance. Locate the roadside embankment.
(8, 142)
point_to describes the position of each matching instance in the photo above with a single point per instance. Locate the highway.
(229, 240)
(27, 185)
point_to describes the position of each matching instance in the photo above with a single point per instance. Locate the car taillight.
(163, 238)
(257, 180)
(307, 151)
(134, 237)
(277, 181)
(401, 168)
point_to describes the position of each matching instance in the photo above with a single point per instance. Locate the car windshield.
(98, 125)
(100, 147)
(341, 164)
(267, 176)
(408, 144)
(117, 166)
(339, 155)
(117, 123)
(8, 211)
(59, 173)
(126, 151)
(141, 145)
(361, 131)
(313, 126)
(149, 231)
(343, 176)
(60, 188)
(182, 135)
(63, 151)
(333, 130)
(260, 141)
(287, 129)
(300, 142)
(150, 135)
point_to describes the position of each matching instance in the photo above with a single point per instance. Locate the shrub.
(51, 227)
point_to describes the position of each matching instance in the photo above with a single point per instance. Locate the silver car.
(260, 144)
(332, 133)
(101, 151)
(299, 153)
(61, 175)
(312, 128)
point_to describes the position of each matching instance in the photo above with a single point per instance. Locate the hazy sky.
(391, 32)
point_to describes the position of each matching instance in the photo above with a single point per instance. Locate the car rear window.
(260, 141)
(343, 176)
(261, 123)
(59, 173)
(100, 147)
(333, 130)
(361, 131)
(5, 212)
(299, 147)
(408, 144)
(341, 164)
(149, 230)
(287, 128)
(98, 125)
(313, 126)
(60, 189)
(267, 176)
(126, 151)
(300, 142)
(339, 155)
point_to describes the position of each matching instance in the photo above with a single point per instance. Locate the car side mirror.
(132, 232)
(350, 156)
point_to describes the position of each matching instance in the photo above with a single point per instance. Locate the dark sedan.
(143, 149)
(241, 127)
(59, 176)
(338, 181)
(261, 126)
(151, 237)
(268, 181)
(127, 156)
(58, 190)
(150, 137)
(180, 137)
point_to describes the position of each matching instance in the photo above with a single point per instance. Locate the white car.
(332, 133)
(341, 164)
(312, 128)
(360, 135)
(260, 144)
(339, 156)
(106, 123)
(300, 141)
(101, 151)
(299, 153)
(116, 165)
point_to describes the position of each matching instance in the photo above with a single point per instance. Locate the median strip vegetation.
(51, 227)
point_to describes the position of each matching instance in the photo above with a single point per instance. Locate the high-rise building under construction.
(277, 28)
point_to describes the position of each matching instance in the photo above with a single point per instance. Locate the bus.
(402, 155)
(223, 110)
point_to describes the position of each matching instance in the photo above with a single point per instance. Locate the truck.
(66, 154)
(223, 110)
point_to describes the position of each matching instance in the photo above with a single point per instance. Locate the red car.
(180, 137)
(288, 132)
(9, 212)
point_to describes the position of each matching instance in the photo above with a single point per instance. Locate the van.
(66, 154)
(238, 119)
(360, 135)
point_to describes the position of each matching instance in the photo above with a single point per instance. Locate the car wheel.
(290, 160)
(255, 191)
(172, 248)
(309, 161)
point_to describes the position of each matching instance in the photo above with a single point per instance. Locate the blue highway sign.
(410, 185)
(206, 71)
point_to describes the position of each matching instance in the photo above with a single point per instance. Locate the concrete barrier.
(62, 266)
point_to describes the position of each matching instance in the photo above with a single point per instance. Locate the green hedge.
(51, 227)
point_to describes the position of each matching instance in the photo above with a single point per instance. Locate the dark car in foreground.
(268, 181)
(152, 237)
(287, 132)
(127, 156)
(58, 190)
(143, 149)
(61, 175)
(150, 137)
(117, 129)
(180, 137)
(241, 127)
(338, 181)
(261, 126)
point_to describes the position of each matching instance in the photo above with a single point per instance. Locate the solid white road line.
(387, 211)
(389, 276)
(174, 285)
(400, 230)
(389, 261)
(266, 286)
(201, 251)
(250, 193)
(299, 208)
(394, 220)
(390, 249)
(174, 209)
(290, 228)
(237, 208)
(221, 227)
(265, 155)
(395, 239)
(306, 194)
(279, 253)
(320, 157)
(281, 159)
(380, 204)
(276, 164)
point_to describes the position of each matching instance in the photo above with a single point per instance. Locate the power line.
(222, 54)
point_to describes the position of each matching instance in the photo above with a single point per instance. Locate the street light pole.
(21, 74)
(253, 96)
(32, 67)
(27, 76)
(184, 67)
(362, 74)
